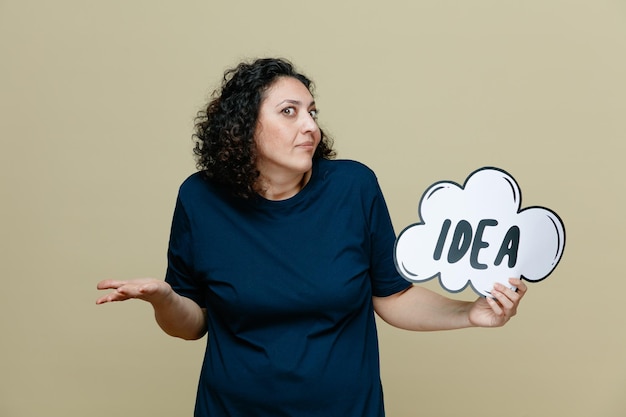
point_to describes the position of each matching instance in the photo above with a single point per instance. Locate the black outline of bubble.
(406, 274)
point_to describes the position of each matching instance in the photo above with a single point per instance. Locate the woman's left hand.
(497, 310)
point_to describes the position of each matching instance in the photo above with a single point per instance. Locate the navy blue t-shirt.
(288, 290)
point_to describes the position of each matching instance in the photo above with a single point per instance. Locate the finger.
(494, 306)
(148, 289)
(102, 300)
(512, 294)
(109, 284)
(114, 296)
(118, 295)
(502, 298)
(519, 284)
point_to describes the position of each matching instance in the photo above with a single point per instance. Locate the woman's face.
(286, 134)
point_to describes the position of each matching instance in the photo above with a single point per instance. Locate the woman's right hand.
(178, 316)
(148, 289)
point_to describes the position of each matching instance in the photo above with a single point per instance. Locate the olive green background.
(97, 101)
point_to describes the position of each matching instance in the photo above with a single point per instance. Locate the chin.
(307, 167)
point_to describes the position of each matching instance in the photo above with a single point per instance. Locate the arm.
(178, 316)
(418, 308)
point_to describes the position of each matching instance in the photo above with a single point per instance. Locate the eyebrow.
(294, 102)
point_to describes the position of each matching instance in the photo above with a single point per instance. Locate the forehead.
(287, 88)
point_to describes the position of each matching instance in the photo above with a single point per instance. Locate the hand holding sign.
(477, 234)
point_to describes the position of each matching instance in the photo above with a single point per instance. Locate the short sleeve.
(180, 269)
(385, 278)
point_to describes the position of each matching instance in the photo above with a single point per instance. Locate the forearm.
(180, 317)
(420, 309)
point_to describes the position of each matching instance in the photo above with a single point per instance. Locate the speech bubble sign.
(477, 234)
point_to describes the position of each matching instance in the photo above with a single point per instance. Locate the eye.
(314, 113)
(289, 111)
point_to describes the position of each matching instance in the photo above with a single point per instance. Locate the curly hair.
(224, 132)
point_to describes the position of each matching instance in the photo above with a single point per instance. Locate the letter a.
(510, 245)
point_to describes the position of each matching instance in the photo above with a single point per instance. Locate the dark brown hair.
(224, 131)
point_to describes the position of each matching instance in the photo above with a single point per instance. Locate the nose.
(309, 124)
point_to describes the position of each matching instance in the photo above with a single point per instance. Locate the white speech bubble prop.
(477, 235)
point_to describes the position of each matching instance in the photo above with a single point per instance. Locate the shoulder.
(346, 169)
(347, 178)
(198, 194)
(192, 184)
(197, 188)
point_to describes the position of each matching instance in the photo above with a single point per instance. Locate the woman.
(282, 255)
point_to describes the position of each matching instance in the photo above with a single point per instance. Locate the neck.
(282, 188)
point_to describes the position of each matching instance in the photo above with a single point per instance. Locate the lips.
(306, 145)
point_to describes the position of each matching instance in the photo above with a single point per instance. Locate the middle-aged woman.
(282, 255)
